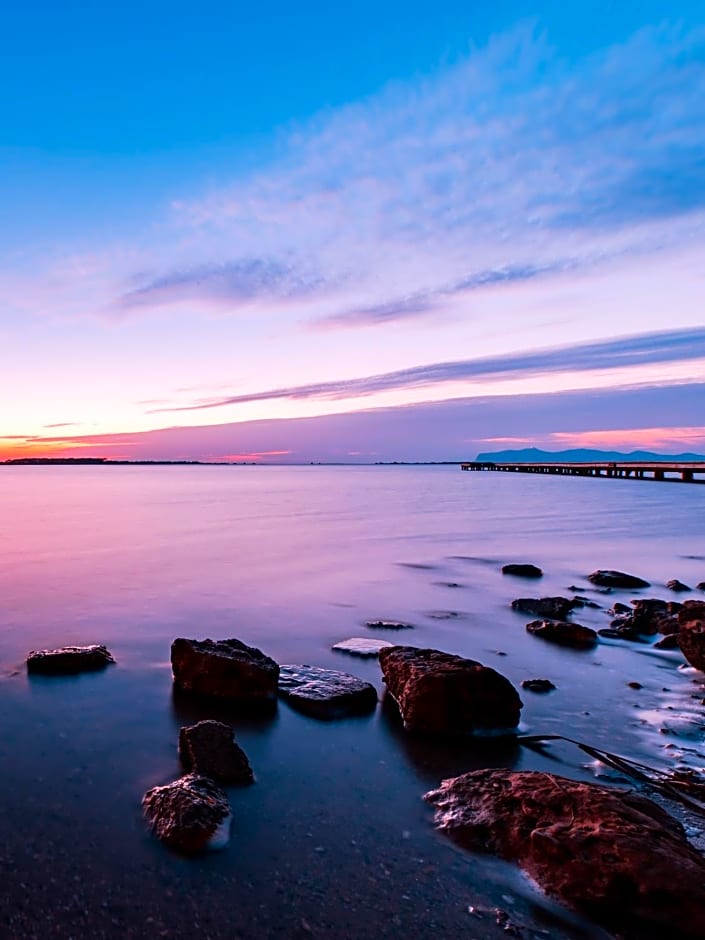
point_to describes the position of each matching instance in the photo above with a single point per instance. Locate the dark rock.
(438, 693)
(224, 669)
(361, 646)
(635, 685)
(209, 748)
(675, 585)
(700, 586)
(538, 685)
(669, 642)
(325, 693)
(579, 601)
(448, 584)
(557, 608)
(563, 633)
(612, 634)
(190, 815)
(523, 571)
(616, 856)
(620, 608)
(616, 579)
(68, 660)
(388, 625)
(691, 637)
(649, 615)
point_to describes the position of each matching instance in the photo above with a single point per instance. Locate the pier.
(628, 470)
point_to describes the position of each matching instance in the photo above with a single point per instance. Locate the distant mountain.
(581, 455)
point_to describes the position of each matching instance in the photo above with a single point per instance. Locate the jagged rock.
(675, 585)
(68, 660)
(563, 633)
(669, 642)
(620, 608)
(438, 693)
(326, 693)
(388, 625)
(557, 608)
(616, 579)
(190, 815)
(523, 571)
(360, 646)
(614, 855)
(208, 748)
(691, 637)
(649, 615)
(224, 669)
(538, 685)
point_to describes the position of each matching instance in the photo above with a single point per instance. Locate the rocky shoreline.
(442, 695)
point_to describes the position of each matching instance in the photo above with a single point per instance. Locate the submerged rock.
(564, 633)
(691, 636)
(326, 693)
(208, 748)
(616, 579)
(580, 601)
(189, 815)
(438, 693)
(388, 625)
(678, 586)
(523, 571)
(557, 608)
(361, 646)
(68, 660)
(538, 685)
(224, 669)
(614, 855)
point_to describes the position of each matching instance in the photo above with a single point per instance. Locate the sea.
(334, 838)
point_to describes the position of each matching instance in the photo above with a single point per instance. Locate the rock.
(612, 634)
(190, 815)
(224, 669)
(68, 660)
(616, 579)
(563, 633)
(325, 693)
(691, 636)
(388, 625)
(438, 693)
(579, 601)
(675, 585)
(649, 615)
(615, 856)
(700, 586)
(669, 642)
(360, 646)
(208, 748)
(538, 685)
(557, 608)
(523, 571)
(635, 685)
(620, 608)
(443, 614)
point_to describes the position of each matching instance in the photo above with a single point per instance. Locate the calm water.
(334, 838)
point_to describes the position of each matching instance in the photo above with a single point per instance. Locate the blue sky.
(241, 215)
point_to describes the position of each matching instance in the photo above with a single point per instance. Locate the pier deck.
(636, 470)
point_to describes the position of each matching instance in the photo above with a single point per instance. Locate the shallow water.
(334, 838)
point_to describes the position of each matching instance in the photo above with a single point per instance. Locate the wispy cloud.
(622, 353)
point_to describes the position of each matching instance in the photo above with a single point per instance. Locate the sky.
(393, 231)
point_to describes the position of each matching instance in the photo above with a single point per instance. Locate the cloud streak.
(623, 353)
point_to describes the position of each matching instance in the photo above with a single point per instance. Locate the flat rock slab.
(68, 660)
(326, 693)
(388, 625)
(522, 571)
(442, 694)
(209, 748)
(361, 646)
(190, 815)
(564, 633)
(605, 577)
(614, 855)
(227, 669)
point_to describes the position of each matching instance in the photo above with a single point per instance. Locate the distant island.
(582, 455)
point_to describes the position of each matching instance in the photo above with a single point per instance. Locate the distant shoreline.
(105, 462)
